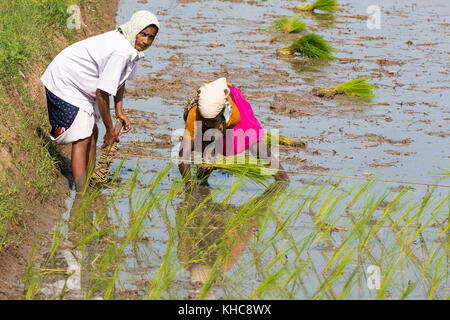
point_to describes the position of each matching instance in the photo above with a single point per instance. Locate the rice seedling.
(312, 242)
(310, 46)
(360, 88)
(444, 169)
(102, 168)
(273, 138)
(329, 6)
(245, 165)
(293, 24)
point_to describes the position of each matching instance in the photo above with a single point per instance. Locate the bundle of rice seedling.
(288, 25)
(271, 137)
(247, 165)
(358, 88)
(322, 5)
(311, 46)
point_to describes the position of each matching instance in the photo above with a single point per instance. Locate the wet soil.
(226, 38)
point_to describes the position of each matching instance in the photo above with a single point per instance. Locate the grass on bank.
(28, 172)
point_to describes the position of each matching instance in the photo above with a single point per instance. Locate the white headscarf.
(138, 22)
(212, 98)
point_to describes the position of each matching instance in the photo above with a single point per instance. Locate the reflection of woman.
(202, 239)
(79, 81)
(217, 105)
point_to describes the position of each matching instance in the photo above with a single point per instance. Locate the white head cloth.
(212, 98)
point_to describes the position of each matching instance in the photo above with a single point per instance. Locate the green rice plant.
(310, 46)
(443, 167)
(31, 277)
(275, 236)
(329, 6)
(245, 165)
(293, 24)
(360, 88)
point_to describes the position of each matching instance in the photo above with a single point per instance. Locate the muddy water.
(399, 135)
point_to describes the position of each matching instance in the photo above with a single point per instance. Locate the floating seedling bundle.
(293, 24)
(310, 46)
(357, 87)
(270, 138)
(330, 6)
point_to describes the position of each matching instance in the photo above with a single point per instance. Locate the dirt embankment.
(38, 218)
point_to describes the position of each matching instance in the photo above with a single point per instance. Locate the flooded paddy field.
(144, 237)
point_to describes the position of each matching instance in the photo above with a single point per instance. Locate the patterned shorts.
(61, 114)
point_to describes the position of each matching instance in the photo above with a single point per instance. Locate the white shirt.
(104, 61)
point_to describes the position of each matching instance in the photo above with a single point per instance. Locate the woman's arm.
(103, 106)
(118, 102)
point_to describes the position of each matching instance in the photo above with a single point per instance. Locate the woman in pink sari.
(219, 120)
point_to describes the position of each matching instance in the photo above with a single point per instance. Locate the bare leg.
(92, 149)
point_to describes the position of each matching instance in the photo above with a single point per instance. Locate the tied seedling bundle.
(329, 6)
(360, 88)
(310, 46)
(271, 138)
(244, 165)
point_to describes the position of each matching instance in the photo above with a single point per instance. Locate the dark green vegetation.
(313, 46)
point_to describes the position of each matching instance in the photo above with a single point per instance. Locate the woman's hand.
(118, 101)
(108, 140)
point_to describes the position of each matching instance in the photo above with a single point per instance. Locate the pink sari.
(248, 130)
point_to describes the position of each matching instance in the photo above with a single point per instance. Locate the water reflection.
(212, 238)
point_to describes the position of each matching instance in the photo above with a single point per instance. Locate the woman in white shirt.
(79, 81)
